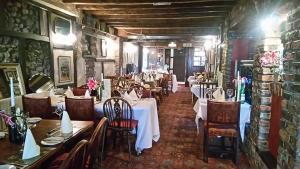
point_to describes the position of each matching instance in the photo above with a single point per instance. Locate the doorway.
(179, 64)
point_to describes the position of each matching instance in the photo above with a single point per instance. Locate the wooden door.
(179, 64)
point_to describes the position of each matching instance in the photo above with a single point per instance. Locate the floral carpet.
(179, 146)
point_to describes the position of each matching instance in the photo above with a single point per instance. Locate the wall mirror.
(40, 83)
(13, 70)
(62, 26)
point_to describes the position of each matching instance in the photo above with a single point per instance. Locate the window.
(199, 57)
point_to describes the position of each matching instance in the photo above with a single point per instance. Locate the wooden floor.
(179, 147)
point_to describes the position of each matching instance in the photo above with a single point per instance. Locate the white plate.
(6, 166)
(52, 141)
(33, 120)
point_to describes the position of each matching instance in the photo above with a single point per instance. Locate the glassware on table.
(140, 94)
(229, 93)
(209, 93)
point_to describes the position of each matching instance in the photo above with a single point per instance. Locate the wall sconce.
(172, 45)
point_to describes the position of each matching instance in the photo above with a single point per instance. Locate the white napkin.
(31, 149)
(219, 94)
(7, 166)
(69, 92)
(51, 93)
(87, 94)
(127, 98)
(133, 95)
(66, 125)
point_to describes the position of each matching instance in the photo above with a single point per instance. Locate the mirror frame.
(17, 68)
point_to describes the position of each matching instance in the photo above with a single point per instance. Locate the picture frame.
(63, 67)
(13, 70)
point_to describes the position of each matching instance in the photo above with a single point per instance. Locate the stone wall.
(9, 49)
(289, 148)
(37, 57)
(19, 16)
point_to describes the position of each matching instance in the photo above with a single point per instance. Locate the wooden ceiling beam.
(160, 19)
(133, 2)
(158, 32)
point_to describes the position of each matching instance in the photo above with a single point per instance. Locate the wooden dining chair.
(78, 91)
(38, 107)
(222, 120)
(81, 108)
(137, 87)
(96, 145)
(77, 157)
(120, 119)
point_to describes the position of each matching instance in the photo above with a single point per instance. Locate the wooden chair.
(96, 145)
(120, 119)
(115, 93)
(122, 82)
(137, 87)
(77, 157)
(81, 109)
(78, 91)
(38, 107)
(222, 120)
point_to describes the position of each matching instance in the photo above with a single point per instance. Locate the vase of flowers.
(93, 86)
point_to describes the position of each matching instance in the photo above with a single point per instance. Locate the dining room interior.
(133, 84)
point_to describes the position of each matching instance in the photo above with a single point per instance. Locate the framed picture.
(63, 67)
(13, 70)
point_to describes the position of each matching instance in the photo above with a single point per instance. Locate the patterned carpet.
(179, 146)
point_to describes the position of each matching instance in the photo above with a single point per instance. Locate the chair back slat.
(81, 108)
(77, 157)
(119, 113)
(38, 107)
(96, 144)
(223, 112)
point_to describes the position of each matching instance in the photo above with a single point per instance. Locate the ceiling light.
(172, 45)
(161, 3)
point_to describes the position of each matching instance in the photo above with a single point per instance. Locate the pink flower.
(6, 118)
(92, 84)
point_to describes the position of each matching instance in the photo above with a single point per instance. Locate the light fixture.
(207, 44)
(270, 24)
(162, 3)
(172, 45)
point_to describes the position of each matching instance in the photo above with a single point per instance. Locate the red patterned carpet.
(179, 146)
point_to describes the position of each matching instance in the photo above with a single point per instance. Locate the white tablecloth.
(200, 108)
(145, 111)
(174, 83)
(191, 80)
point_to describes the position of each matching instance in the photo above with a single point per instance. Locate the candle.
(12, 94)
(101, 77)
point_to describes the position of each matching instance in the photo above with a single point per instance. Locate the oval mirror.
(40, 83)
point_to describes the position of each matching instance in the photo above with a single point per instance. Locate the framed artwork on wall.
(13, 70)
(63, 67)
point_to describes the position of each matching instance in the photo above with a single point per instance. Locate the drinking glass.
(229, 93)
(209, 93)
(140, 94)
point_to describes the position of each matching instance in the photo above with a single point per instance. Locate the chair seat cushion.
(124, 122)
(222, 132)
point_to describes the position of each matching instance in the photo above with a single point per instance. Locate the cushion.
(123, 123)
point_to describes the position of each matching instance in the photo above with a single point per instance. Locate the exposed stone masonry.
(19, 16)
(9, 49)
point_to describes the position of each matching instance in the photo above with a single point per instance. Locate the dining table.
(200, 108)
(145, 111)
(11, 154)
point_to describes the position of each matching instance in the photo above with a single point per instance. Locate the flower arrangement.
(270, 58)
(7, 118)
(92, 84)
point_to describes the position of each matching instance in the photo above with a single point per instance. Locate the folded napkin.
(66, 125)
(51, 93)
(133, 95)
(87, 94)
(128, 98)
(31, 149)
(219, 94)
(69, 92)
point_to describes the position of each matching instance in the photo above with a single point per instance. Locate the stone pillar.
(289, 147)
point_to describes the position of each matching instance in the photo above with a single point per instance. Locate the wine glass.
(209, 93)
(229, 93)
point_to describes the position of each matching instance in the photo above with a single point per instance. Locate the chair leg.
(205, 147)
(236, 151)
(129, 147)
(114, 139)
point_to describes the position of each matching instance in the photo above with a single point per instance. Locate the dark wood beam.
(133, 2)
(173, 32)
(161, 19)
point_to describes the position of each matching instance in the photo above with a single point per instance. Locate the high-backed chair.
(38, 107)
(222, 120)
(137, 87)
(77, 157)
(96, 145)
(120, 118)
(81, 108)
(78, 91)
